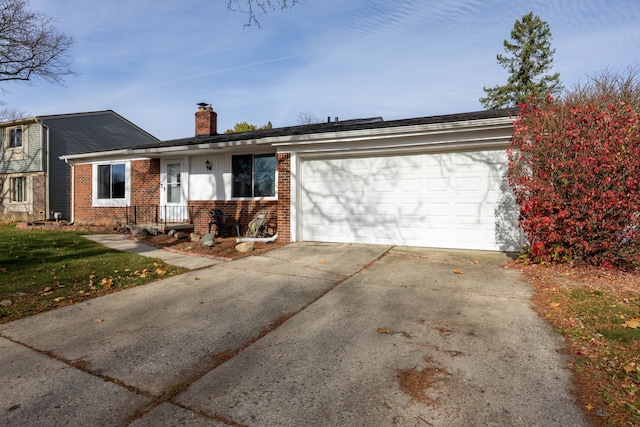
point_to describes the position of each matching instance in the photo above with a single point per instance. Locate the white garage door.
(445, 200)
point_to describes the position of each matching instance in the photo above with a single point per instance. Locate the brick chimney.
(206, 120)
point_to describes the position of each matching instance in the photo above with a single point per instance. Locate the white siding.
(214, 184)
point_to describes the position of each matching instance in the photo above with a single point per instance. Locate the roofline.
(42, 119)
(381, 130)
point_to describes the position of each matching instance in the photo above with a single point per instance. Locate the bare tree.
(307, 119)
(9, 114)
(253, 8)
(606, 87)
(30, 45)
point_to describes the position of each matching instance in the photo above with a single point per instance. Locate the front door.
(173, 198)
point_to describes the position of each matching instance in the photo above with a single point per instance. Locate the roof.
(336, 126)
(92, 131)
(285, 135)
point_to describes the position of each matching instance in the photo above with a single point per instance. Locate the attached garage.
(440, 185)
(444, 200)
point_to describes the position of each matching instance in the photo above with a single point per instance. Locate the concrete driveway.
(305, 335)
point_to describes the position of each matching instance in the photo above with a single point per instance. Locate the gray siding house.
(34, 182)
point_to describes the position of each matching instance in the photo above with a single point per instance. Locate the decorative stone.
(244, 247)
(171, 233)
(138, 232)
(194, 237)
(153, 231)
(180, 235)
(208, 240)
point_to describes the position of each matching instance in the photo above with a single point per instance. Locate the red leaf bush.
(575, 170)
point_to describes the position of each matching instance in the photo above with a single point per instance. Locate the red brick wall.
(145, 190)
(284, 197)
(231, 209)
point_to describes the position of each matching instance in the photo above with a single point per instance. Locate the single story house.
(34, 182)
(435, 181)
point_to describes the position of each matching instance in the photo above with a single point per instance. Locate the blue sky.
(152, 61)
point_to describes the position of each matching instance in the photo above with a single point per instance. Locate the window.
(111, 181)
(15, 138)
(254, 175)
(18, 189)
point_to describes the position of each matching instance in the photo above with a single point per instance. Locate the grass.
(597, 312)
(42, 270)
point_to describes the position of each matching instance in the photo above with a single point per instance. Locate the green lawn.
(45, 269)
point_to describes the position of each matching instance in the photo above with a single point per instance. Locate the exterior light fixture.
(207, 164)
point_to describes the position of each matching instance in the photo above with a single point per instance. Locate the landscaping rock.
(138, 232)
(208, 240)
(153, 231)
(194, 237)
(180, 235)
(244, 247)
(171, 233)
(5, 303)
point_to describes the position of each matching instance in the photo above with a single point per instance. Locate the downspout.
(73, 193)
(45, 143)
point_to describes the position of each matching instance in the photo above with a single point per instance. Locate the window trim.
(117, 202)
(275, 177)
(10, 139)
(15, 153)
(25, 193)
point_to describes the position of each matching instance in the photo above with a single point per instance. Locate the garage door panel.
(439, 200)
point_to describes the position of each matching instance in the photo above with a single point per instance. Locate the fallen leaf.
(476, 262)
(160, 271)
(588, 406)
(196, 278)
(384, 331)
(458, 271)
(58, 299)
(554, 304)
(47, 289)
(3, 270)
(633, 323)
(628, 369)
(107, 283)
(99, 320)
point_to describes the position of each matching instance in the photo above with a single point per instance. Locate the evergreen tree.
(528, 57)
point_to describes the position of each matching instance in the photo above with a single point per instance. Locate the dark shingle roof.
(328, 127)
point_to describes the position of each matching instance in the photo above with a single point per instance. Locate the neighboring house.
(34, 181)
(432, 181)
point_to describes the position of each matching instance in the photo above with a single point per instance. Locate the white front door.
(173, 198)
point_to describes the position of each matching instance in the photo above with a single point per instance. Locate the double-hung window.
(111, 181)
(15, 137)
(254, 175)
(18, 189)
(111, 184)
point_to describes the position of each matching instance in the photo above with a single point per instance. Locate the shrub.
(574, 168)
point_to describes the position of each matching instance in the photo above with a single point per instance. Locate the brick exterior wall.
(36, 195)
(284, 197)
(145, 190)
(231, 209)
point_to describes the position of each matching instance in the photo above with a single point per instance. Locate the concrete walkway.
(304, 335)
(121, 242)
